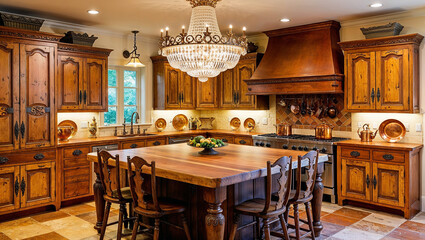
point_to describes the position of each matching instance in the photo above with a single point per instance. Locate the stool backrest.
(141, 197)
(106, 172)
(311, 168)
(284, 166)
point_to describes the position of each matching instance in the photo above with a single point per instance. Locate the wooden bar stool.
(299, 196)
(148, 204)
(266, 209)
(116, 195)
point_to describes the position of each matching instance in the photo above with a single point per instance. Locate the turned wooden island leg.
(99, 202)
(316, 203)
(214, 220)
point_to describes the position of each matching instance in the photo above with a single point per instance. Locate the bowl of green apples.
(208, 144)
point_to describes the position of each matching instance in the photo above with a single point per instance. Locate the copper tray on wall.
(392, 130)
(249, 124)
(160, 124)
(235, 123)
(180, 122)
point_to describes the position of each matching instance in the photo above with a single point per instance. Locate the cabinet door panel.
(207, 94)
(355, 176)
(228, 88)
(94, 95)
(9, 197)
(37, 95)
(187, 89)
(172, 80)
(39, 187)
(392, 80)
(9, 99)
(389, 187)
(70, 82)
(244, 71)
(360, 76)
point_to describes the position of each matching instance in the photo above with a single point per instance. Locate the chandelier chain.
(196, 3)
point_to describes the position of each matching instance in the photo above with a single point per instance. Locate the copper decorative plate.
(249, 124)
(235, 123)
(392, 130)
(71, 124)
(160, 124)
(180, 122)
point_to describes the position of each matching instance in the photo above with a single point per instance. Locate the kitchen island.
(211, 185)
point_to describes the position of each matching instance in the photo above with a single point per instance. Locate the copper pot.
(323, 131)
(284, 129)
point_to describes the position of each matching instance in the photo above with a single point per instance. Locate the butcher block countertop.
(101, 140)
(234, 163)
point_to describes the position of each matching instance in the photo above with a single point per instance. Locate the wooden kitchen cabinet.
(381, 174)
(174, 89)
(38, 184)
(9, 187)
(82, 78)
(27, 118)
(382, 74)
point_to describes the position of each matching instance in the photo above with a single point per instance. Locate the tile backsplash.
(342, 122)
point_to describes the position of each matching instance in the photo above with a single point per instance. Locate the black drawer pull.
(133, 145)
(38, 157)
(388, 157)
(354, 154)
(156, 143)
(242, 141)
(224, 140)
(23, 185)
(77, 152)
(17, 186)
(3, 160)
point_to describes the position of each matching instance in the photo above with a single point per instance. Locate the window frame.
(120, 93)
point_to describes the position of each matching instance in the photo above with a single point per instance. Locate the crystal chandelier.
(203, 52)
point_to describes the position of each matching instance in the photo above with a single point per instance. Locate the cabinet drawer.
(76, 152)
(27, 157)
(243, 140)
(137, 144)
(388, 156)
(81, 174)
(76, 162)
(155, 142)
(76, 189)
(355, 153)
(224, 138)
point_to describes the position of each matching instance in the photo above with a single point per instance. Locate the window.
(123, 95)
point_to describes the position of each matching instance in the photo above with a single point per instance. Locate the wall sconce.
(134, 56)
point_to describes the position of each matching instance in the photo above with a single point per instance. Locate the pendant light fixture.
(134, 56)
(203, 52)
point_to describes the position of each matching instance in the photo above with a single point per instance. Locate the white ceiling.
(149, 16)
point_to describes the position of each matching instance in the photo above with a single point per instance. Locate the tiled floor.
(345, 223)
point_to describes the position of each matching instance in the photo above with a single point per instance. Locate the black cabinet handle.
(354, 154)
(16, 130)
(224, 140)
(156, 143)
(372, 95)
(234, 97)
(77, 152)
(23, 185)
(133, 145)
(3, 160)
(85, 97)
(237, 98)
(81, 96)
(367, 181)
(374, 182)
(23, 129)
(378, 95)
(242, 141)
(38, 157)
(388, 157)
(17, 186)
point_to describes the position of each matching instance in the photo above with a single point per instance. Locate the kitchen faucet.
(137, 118)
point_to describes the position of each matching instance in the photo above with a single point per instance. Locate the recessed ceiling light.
(375, 5)
(285, 20)
(93, 12)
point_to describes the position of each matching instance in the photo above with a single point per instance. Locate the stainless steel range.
(307, 143)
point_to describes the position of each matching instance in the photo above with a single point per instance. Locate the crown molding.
(389, 17)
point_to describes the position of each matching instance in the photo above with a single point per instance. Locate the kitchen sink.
(136, 135)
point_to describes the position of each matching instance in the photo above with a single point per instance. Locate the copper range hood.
(300, 60)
